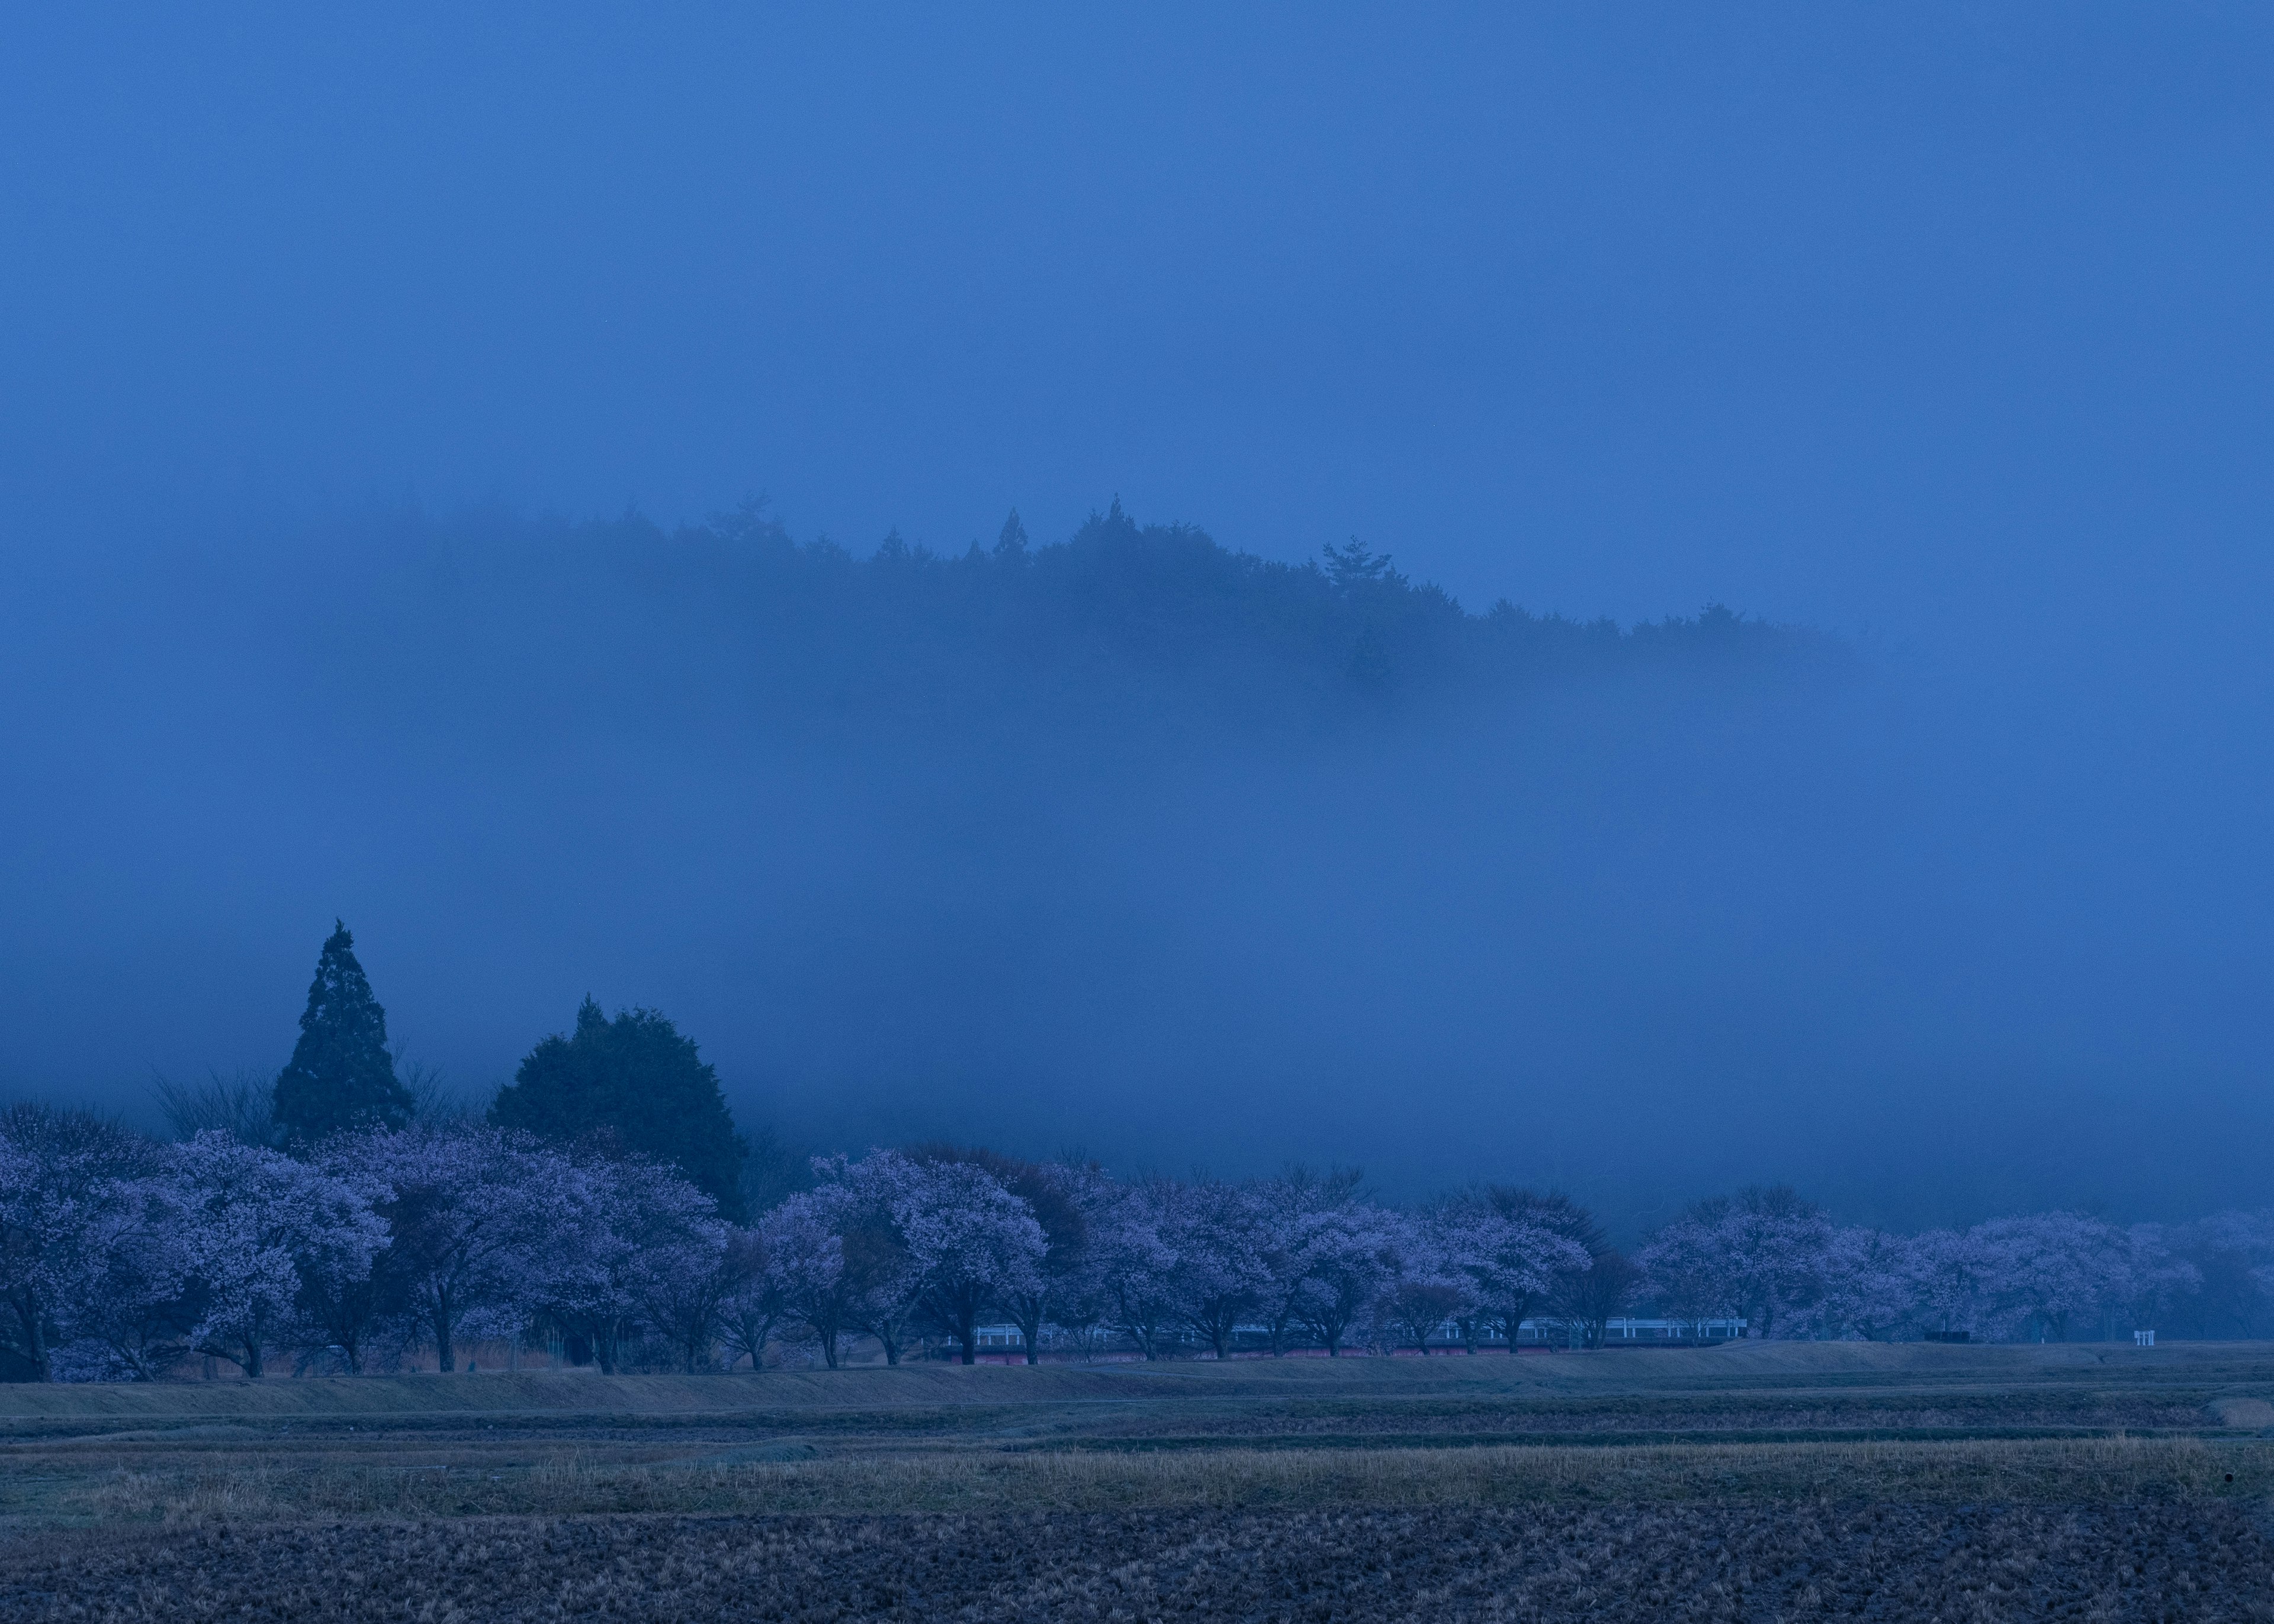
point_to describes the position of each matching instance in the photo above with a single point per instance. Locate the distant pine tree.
(637, 1080)
(1013, 541)
(341, 1076)
(1352, 565)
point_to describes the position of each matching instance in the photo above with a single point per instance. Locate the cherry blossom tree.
(1950, 1276)
(2047, 1269)
(1055, 1291)
(806, 1264)
(1760, 1254)
(1869, 1287)
(1351, 1252)
(1289, 1205)
(2159, 1280)
(1219, 1235)
(1498, 1246)
(886, 1278)
(65, 1189)
(906, 1240)
(2233, 1256)
(1691, 1271)
(1428, 1287)
(687, 1270)
(259, 1225)
(639, 1246)
(131, 1306)
(1136, 1265)
(344, 1306)
(754, 1302)
(1060, 1290)
(480, 1219)
(972, 1242)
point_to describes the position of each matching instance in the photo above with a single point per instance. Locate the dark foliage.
(341, 1076)
(772, 1170)
(635, 1081)
(1588, 1300)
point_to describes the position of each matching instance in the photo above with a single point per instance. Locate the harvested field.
(1700, 1563)
(1779, 1482)
(240, 1489)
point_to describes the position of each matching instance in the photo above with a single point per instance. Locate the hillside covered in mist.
(1129, 843)
(1120, 634)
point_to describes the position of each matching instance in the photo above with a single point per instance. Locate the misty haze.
(1126, 843)
(1229, 807)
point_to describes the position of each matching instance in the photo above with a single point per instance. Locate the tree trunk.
(35, 1338)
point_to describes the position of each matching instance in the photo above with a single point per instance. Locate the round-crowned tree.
(637, 1081)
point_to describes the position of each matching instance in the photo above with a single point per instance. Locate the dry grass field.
(1764, 1482)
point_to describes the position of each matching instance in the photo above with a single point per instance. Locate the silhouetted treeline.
(1122, 622)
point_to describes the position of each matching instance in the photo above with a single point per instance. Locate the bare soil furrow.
(1684, 1563)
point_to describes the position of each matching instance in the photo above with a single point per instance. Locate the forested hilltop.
(1121, 620)
(1129, 840)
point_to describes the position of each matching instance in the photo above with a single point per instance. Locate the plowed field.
(1908, 1563)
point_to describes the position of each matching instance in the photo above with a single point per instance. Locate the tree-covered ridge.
(1122, 621)
(1169, 599)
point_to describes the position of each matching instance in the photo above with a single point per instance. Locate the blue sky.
(1869, 316)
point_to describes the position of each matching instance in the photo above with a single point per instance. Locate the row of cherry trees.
(119, 1258)
(896, 1245)
(1781, 1263)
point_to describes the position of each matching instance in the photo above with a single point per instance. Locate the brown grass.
(570, 1483)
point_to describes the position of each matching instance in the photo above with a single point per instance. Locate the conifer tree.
(341, 1076)
(633, 1080)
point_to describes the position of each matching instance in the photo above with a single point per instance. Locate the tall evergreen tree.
(340, 1076)
(637, 1080)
